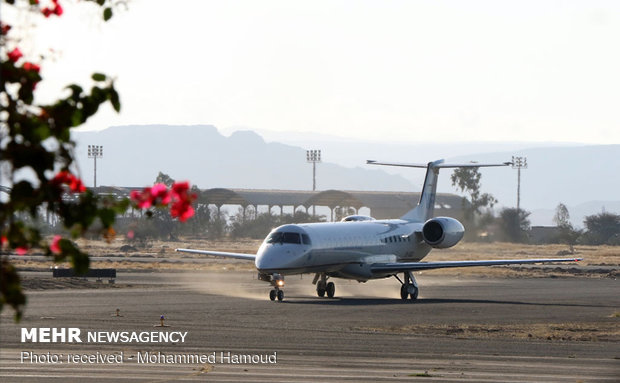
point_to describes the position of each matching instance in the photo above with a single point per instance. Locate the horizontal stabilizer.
(426, 206)
(438, 165)
(249, 257)
(413, 266)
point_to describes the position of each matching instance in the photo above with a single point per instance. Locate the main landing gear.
(323, 287)
(409, 287)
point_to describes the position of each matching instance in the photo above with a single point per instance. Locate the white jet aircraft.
(362, 248)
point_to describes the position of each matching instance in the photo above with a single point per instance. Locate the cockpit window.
(280, 237)
(305, 239)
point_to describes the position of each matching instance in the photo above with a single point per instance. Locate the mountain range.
(583, 177)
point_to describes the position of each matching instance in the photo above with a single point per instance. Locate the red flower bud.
(31, 67)
(4, 28)
(54, 247)
(75, 184)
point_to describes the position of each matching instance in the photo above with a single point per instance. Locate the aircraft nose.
(274, 257)
(264, 259)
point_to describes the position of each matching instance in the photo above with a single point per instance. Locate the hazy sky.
(387, 70)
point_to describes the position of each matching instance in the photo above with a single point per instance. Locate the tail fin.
(426, 206)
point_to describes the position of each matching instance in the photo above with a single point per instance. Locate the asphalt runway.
(365, 334)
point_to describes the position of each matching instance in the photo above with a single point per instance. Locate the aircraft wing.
(249, 257)
(414, 266)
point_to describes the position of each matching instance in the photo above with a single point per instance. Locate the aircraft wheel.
(280, 295)
(320, 289)
(404, 292)
(330, 289)
(272, 295)
(414, 294)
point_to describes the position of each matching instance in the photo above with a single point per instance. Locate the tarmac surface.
(461, 329)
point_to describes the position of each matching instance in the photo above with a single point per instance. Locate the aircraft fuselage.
(340, 249)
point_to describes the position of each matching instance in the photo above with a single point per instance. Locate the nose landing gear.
(277, 281)
(276, 293)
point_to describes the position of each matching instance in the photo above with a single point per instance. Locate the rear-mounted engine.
(442, 232)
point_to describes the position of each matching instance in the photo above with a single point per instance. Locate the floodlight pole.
(95, 151)
(313, 156)
(518, 163)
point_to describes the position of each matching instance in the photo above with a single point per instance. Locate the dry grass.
(592, 256)
(164, 252)
(604, 331)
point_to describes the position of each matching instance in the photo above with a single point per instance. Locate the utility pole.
(518, 163)
(94, 152)
(313, 156)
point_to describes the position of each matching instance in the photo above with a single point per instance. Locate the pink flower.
(159, 195)
(182, 210)
(76, 185)
(142, 198)
(21, 250)
(182, 206)
(160, 192)
(54, 247)
(15, 55)
(58, 9)
(180, 187)
(3, 241)
(130, 234)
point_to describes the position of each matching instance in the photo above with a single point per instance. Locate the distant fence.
(92, 273)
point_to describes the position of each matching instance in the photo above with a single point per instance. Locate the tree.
(567, 233)
(467, 180)
(36, 137)
(602, 228)
(562, 216)
(514, 224)
(37, 161)
(163, 178)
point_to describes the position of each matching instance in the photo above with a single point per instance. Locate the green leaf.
(107, 217)
(99, 77)
(107, 14)
(76, 90)
(10, 288)
(114, 99)
(79, 260)
(100, 2)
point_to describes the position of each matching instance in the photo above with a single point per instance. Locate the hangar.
(381, 204)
